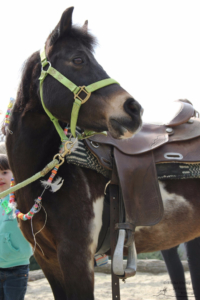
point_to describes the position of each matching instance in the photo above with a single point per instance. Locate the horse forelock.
(76, 33)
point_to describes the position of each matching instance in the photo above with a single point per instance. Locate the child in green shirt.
(15, 251)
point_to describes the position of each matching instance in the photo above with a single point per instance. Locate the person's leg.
(2, 278)
(16, 283)
(193, 254)
(176, 272)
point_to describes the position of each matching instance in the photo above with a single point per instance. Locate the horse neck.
(34, 142)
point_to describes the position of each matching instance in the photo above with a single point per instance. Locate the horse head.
(69, 50)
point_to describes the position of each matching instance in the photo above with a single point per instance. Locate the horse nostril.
(131, 106)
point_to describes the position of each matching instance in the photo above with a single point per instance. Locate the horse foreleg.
(76, 255)
(53, 274)
(77, 273)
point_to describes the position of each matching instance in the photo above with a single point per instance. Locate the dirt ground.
(144, 286)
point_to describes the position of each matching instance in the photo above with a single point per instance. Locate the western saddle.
(133, 163)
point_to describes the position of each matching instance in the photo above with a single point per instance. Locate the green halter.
(73, 88)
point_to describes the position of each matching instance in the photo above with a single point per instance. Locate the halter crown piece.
(78, 101)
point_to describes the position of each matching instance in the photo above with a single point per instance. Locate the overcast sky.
(152, 47)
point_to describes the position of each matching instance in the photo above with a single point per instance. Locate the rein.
(78, 101)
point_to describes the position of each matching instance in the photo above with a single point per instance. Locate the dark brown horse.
(69, 238)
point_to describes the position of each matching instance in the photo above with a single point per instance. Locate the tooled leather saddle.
(135, 164)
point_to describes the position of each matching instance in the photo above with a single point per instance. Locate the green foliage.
(150, 255)
(33, 264)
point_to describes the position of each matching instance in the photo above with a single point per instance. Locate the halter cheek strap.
(78, 101)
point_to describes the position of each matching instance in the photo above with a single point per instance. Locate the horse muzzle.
(125, 126)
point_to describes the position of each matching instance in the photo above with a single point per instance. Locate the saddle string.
(34, 234)
(107, 184)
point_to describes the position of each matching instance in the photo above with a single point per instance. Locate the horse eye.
(77, 60)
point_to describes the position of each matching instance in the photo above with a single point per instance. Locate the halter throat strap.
(78, 101)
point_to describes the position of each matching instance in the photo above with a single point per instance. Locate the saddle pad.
(178, 171)
(140, 190)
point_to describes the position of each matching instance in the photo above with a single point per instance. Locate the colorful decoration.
(47, 184)
(56, 185)
(8, 113)
(36, 208)
(5, 205)
(53, 174)
(12, 195)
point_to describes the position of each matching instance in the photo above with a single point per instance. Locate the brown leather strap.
(140, 189)
(114, 218)
(130, 228)
(127, 226)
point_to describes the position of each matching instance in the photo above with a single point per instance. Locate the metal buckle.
(67, 151)
(82, 89)
(44, 65)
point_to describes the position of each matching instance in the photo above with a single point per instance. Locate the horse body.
(180, 222)
(72, 216)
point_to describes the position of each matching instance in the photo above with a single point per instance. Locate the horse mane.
(30, 68)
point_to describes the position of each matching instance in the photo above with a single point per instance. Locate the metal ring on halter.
(48, 62)
(82, 89)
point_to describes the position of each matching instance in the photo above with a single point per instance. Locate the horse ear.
(66, 20)
(85, 26)
(63, 26)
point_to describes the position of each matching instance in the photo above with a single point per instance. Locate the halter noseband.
(74, 89)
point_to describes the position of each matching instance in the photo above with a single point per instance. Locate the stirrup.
(131, 266)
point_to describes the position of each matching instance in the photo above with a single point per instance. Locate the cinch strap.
(73, 88)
